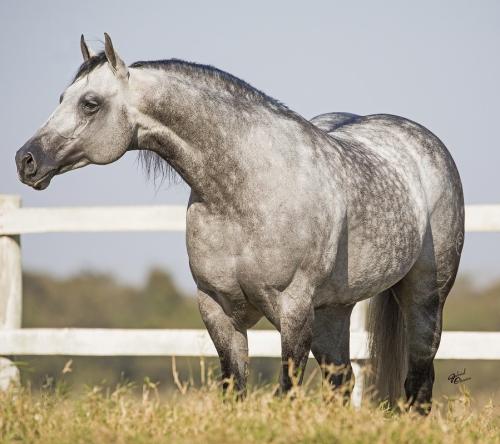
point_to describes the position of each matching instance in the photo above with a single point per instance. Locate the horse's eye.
(90, 106)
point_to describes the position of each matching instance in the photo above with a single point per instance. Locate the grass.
(130, 414)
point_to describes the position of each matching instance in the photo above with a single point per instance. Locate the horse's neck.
(203, 134)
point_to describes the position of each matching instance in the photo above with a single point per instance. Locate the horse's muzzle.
(29, 161)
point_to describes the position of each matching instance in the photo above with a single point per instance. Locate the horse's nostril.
(29, 164)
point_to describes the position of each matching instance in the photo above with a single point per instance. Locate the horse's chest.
(212, 249)
(227, 256)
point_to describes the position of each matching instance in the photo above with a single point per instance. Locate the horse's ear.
(87, 53)
(117, 64)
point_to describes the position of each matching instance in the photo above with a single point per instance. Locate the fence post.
(10, 288)
(358, 324)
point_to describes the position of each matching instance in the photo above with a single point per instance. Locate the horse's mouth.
(44, 181)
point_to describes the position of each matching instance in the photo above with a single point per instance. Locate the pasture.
(140, 414)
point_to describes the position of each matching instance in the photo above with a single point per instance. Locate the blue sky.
(434, 62)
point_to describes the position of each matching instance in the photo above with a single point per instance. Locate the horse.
(288, 219)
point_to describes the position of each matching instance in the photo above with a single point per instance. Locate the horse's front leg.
(296, 326)
(229, 339)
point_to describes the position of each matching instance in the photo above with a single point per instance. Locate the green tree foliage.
(91, 300)
(471, 307)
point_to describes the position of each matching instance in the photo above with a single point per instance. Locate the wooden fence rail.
(14, 340)
(15, 220)
(461, 345)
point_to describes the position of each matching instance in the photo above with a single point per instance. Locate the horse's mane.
(154, 165)
(207, 72)
(199, 70)
(157, 168)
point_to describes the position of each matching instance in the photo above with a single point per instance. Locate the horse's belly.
(368, 277)
(373, 259)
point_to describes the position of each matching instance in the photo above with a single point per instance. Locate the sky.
(437, 63)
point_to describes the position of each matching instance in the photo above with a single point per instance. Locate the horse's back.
(331, 121)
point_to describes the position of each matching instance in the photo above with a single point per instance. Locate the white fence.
(15, 340)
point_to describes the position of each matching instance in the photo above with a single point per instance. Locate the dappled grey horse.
(293, 220)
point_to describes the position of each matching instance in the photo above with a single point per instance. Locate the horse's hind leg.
(421, 295)
(330, 345)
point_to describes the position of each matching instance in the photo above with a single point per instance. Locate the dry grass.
(132, 415)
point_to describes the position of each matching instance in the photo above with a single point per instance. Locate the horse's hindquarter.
(396, 172)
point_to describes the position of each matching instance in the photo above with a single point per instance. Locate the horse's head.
(92, 123)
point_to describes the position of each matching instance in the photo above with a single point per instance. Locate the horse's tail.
(388, 352)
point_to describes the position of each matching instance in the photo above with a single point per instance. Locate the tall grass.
(132, 414)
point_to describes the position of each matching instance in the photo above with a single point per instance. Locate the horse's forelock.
(89, 65)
